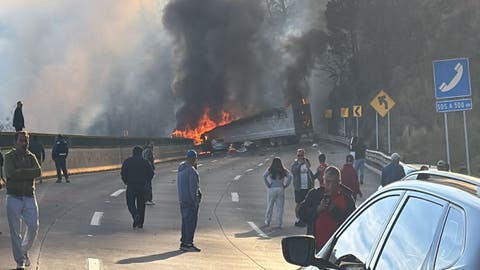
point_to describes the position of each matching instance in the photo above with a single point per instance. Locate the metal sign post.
(376, 127)
(345, 126)
(445, 117)
(389, 144)
(466, 142)
(383, 103)
(357, 126)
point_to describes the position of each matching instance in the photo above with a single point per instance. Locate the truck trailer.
(277, 126)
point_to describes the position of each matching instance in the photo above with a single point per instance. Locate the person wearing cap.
(393, 171)
(136, 172)
(18, 121)
(442, 166)
(189, 196)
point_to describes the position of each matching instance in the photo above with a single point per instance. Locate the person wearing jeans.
(277, 179)
(189, 197)
(21, 168)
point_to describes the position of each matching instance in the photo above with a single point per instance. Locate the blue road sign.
(455, 105)
(451, 78)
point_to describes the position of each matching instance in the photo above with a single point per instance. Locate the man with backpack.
(59, 155)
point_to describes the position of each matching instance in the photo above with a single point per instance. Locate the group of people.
(137, 172)
(321, 209)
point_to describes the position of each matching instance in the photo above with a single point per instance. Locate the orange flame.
(204, 124)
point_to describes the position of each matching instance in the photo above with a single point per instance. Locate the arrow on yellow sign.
(382, 103)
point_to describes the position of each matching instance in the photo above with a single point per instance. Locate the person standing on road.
(359, 149)
(322, 158)
(59, 156)
(136, 172)
(2, 181)
(21, 168)
(277, 179)
(18, 121)
(148, 155)
(326, 208)
(189, 197)
(302, 181)
(393, 171)
(350, 177)
(37, 149)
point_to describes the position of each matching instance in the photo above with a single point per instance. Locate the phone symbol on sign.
(445, 87)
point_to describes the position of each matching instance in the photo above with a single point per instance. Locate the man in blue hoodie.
(189, 196)
(59, 156)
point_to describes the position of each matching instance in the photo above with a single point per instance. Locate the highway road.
(86, 225)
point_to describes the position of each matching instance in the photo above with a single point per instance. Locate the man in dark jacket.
(326, 208)
(189, 196)
(59, 155)
(37, 149)
(18, 121)
(359, 164)
(148, 155)
(135, 173)
(393, 171)
(2, 181)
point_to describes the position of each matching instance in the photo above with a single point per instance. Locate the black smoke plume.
(222, 59)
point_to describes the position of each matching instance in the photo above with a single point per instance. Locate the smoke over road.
(150, 66)
(222, 59)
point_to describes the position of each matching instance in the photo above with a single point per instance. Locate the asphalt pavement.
(85, 224)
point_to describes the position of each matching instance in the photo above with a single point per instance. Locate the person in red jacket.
(322, 158)
(350, 177)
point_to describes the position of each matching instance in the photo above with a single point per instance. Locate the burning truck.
(277, 126)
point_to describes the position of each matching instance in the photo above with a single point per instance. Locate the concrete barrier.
(87, 160)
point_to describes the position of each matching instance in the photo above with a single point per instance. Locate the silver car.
(430, 220)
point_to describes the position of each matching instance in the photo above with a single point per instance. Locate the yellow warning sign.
(344, 112)
(328, 113)
(382, 103)
(357, 111)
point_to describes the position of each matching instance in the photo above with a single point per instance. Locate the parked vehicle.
(429, 220)
(276, 126)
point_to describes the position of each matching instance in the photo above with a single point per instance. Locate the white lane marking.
(235, 197)
(107, 201)
(260, 165)
(213, 161)
(272, 155)
(174, 171)
(94, 264)
(237, 177)
(118, 192)
(267, 159)
(200, 165)
(254, 227)
(249, 170)
(97, 217)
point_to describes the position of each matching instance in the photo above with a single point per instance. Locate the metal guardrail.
(375, 158)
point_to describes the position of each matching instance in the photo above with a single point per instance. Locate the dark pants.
(136, 202)
(189, 223)
(61, 165)
(148, 191)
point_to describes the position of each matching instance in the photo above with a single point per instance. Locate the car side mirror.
(299, 250)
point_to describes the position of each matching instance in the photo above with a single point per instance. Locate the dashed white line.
(272, 155)
(249, 170)
(255, 228)
(174, 171)
(97, 217)
(94, 264)
(235, 197)
(260, 164)
(200, 165)
(267, 159)
(213, 161)
(237, 177)
(118, 192)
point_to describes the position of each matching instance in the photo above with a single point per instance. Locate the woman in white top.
(277, 179)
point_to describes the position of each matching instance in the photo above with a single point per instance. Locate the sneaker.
(149, 203)
(66, 180)
(190, 248)
(59, 181)
(20, 266)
